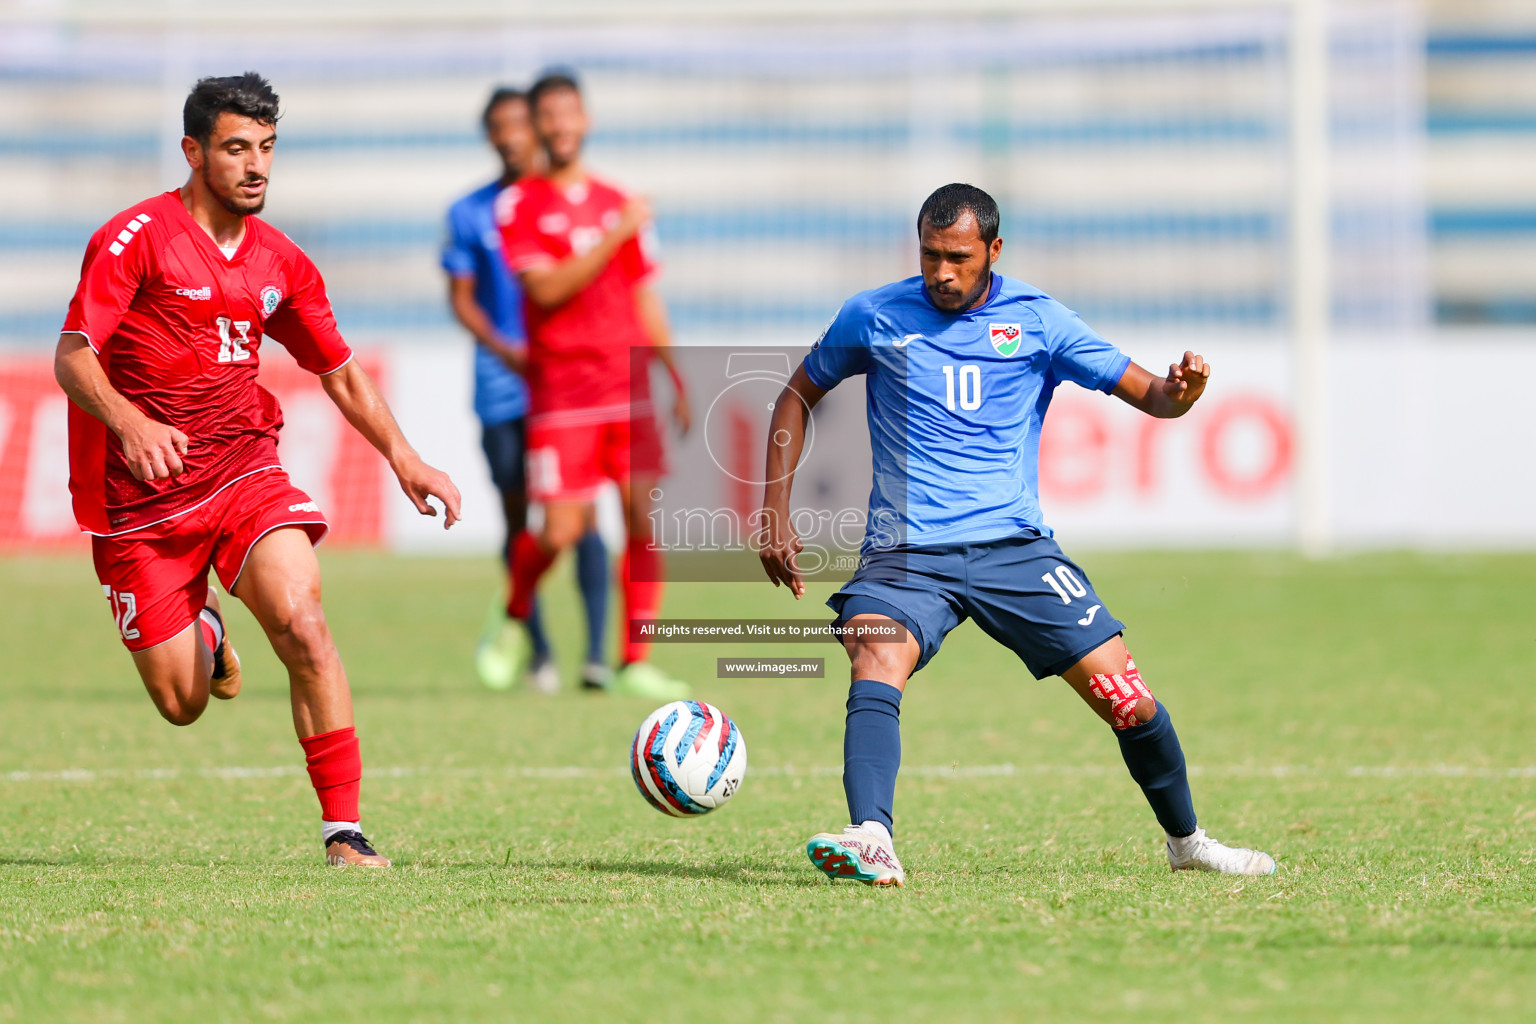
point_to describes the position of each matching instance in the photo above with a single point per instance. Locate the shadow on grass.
(737, 872)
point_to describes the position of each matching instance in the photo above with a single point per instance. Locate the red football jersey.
(578, 352)
(178, 328)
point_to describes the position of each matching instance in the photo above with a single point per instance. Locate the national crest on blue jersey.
(270, 297)
(1005, 337)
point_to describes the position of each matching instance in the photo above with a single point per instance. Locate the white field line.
(932, 771)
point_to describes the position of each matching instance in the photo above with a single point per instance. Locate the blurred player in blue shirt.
(959, 367)
(486, 299)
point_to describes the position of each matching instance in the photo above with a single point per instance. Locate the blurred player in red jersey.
(487, 301)
(173, 444)
(578, 247)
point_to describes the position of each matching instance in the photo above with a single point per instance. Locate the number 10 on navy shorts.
(1022, 591)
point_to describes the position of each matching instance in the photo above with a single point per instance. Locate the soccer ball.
(688, 758)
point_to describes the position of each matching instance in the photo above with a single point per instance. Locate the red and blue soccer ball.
(688, 758)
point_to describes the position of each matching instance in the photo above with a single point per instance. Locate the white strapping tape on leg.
(215, 624)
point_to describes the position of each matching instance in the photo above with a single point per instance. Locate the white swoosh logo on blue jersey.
(1087, 620)
(904, 342)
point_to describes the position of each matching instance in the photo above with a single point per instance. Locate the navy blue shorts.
(505, 444)
(1022, 591)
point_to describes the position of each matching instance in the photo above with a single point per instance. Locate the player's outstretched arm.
(1167, 397)
(359, 400)
(552, 284)
(153, 450)
(778, 544)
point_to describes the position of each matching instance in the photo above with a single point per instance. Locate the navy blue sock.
(592, 575)
(872, 751)
(536, 633)
(1156, 762)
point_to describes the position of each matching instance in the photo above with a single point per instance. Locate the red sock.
(640, 573)
(336, 769)
(529, 562)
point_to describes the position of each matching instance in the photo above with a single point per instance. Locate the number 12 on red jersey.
(232, 350)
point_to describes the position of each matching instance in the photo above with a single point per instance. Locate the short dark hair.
(946, 205)
(503, 94)
(248, 95)
(552, 81)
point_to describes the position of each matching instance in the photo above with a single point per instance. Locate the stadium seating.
(1141, 161)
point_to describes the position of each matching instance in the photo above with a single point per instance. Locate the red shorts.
(570, 462)
(157, 578)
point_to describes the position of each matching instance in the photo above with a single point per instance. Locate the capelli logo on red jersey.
(204, 293)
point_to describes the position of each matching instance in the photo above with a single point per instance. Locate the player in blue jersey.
(486, 299)
(959, 366)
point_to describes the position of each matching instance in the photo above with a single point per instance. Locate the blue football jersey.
(955, 402)
(473, 250)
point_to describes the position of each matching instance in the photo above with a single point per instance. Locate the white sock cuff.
(877, 827)
(330, 828)
(209, 617)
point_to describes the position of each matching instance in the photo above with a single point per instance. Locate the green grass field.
(1368, 721)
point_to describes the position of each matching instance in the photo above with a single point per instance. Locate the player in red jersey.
(578, 246)
(173, 444)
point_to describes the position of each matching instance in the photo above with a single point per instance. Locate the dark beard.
(982, 287)
(233, 205)
(556, 164)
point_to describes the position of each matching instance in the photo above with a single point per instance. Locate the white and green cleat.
(642, 679)
(1199, 852)
(504, 652)
(864, 853)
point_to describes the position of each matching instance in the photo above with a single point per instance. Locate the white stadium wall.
(1431, 447)
(1430, 450)
(1412, 464)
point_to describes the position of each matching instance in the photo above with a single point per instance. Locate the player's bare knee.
(1130, 702)
(311, 640)
(868, 663)
(888, 662)
(182, 716)
(557, 536)
(174, 688)
(181, 710)
(301, 637)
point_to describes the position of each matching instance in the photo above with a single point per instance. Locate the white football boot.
(865, 853)
(543, 677)
(1199, 852)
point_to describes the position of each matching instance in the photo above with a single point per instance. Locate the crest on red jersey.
(270, 297)
(1005, 337)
